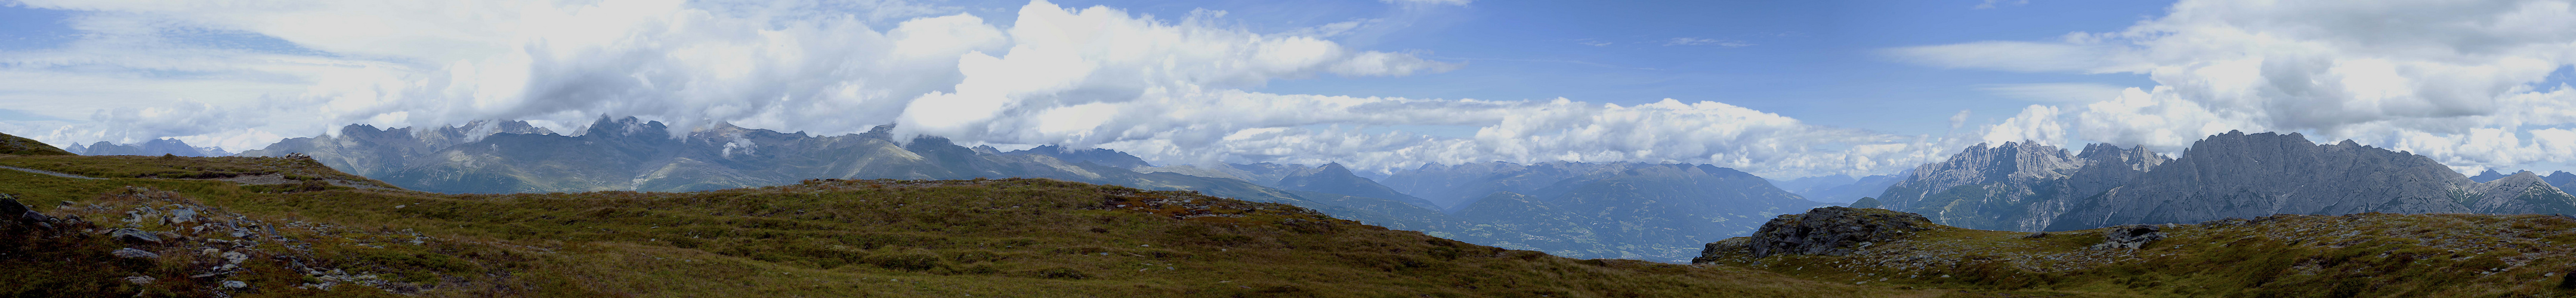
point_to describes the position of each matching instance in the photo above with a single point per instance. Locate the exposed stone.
(2035, 235)
(235, 284)
(183, 215)
(134, 236)
(9, 205)
(1831, 231)
(237, 257)
(134, 253)
(140, 280)
(2130, 236)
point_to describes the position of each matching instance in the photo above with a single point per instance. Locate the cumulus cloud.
(2461, 81)
(1172, 91)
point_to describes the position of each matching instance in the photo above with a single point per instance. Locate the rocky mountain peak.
(2562, 179)
(2488, 176)
(2012, 162)
(626, 127)
(2136, 158)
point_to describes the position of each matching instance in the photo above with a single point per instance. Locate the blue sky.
(1779, 88)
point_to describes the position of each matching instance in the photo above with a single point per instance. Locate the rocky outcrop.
(1829, 231)
(2129, 236)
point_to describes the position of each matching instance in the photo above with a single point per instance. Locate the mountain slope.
(2521, 193)
(2026, 187)
(1641, 211)
(1334, 179)
(2239, 175)
(15, 145)
(2015, 186)
(1840, 188)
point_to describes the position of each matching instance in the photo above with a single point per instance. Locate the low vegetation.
(2360, 255)
(1011, 237)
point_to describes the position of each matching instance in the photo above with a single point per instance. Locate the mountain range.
(2030, 187)
(1646, 211)
(148, 148)
(1659, 212)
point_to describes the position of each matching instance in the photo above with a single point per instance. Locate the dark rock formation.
(2130, 236)
(1832, 231)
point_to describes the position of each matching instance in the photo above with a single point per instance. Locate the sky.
(1781, 89)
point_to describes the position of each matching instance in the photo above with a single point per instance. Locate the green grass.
(175, 167)
(2361, 255)
(1013, 237)
(14, 145)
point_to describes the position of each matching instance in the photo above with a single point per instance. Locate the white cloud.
(1693, 41)
(1170, 91)
(2459, 81)
(2035, 124)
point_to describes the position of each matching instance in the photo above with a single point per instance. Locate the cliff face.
(2016, 186)
(2252, 175)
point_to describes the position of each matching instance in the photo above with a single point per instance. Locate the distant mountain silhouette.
(154, 147)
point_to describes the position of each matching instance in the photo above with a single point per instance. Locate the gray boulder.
(131, 253)
(132, 235)
(2130, 236)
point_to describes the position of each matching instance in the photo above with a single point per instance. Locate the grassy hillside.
(14, 145)
(2361, 255)
(1014, 237)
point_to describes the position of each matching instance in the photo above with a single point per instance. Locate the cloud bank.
(1172, 91)
(2465, 82)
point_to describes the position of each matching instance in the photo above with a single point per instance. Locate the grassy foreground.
(824, 238)
(2359, 255)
